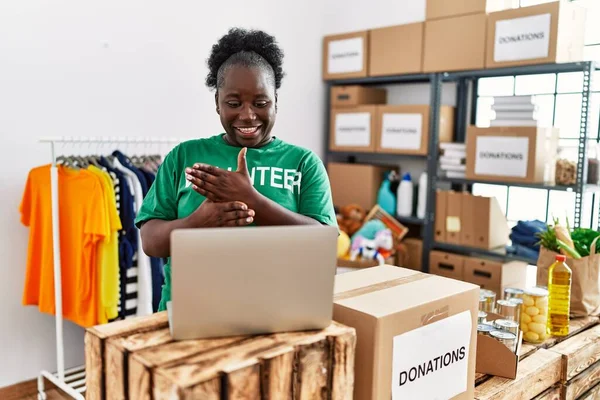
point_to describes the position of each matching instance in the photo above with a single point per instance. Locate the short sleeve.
(315, 192)
(161, 200)
(96, 225)
(111, 201)
(26, 200)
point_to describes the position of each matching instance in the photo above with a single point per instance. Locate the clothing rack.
(72, 381)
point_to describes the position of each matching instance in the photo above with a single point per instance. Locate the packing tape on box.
(380, 286)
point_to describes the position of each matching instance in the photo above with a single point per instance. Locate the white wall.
(354, 15)
(132, 68)
(136, 68)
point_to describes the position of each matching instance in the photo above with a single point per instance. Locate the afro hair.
(246, 47)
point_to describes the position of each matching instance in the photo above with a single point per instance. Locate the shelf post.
(460, 120)
(432, 159)
(588, 70)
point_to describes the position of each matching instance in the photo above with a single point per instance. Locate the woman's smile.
(248, 132)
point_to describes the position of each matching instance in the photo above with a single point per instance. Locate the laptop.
(251, 280)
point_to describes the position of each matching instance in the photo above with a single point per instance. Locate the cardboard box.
(446, 264)
(355, 95)
(490, 228)
(346, 55)
(495, 275)
(467, 220)
(404, 129)
(410, 254)
(453, 215)
(454, 44)
(511, 154)
(353, 129)
(494, 358)
(405, 321)
(451, 8)
(355, 183)
(384, 57)
(546, 33)
(441, 199)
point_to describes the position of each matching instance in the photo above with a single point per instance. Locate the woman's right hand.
(231, 213)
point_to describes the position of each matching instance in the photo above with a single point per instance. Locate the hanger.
(93, 160)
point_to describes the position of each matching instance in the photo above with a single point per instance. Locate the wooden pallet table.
(558, 369)
(137, 359)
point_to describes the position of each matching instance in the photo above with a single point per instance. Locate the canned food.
(490, 300)
(507, 309)
(512, 293)
(507, 338)
(534, 314)
(485, 329)
(507, 325)
(519, 303)
(482, 301)
(481, 317)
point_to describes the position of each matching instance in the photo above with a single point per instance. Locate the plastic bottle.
(405, 196)
(385, 198)
(422, 197)
(559, 297)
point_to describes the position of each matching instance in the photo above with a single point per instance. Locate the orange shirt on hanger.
(83, 223)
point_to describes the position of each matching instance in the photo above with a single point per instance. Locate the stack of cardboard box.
(361, 121)
(460, 35)
(454, 35)
(353, 121)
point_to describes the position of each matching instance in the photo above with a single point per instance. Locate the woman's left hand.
(221, 185)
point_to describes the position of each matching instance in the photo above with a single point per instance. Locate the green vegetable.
(548, 239)
(583, 239)
(570, 252)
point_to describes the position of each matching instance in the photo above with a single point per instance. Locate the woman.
(244, 176)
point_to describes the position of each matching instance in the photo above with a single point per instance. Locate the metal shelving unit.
(410, 220)
(460, 181)
(466, 96)
(470, 78)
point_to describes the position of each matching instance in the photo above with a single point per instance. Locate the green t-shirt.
(289, 175)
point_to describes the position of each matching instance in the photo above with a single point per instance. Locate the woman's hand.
(221, 185)
(211, 214)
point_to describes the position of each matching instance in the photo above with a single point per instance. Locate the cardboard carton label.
(522, 38)
(401, 131)
(432, 362)
(502, 156)
(345, 56)
(452, 224)
(353, 129)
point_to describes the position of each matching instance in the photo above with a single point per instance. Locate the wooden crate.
(559, 368)
(137, 359)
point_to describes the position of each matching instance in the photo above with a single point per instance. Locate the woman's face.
(246, 104)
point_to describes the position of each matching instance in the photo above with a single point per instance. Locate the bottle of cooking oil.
(559, 297)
